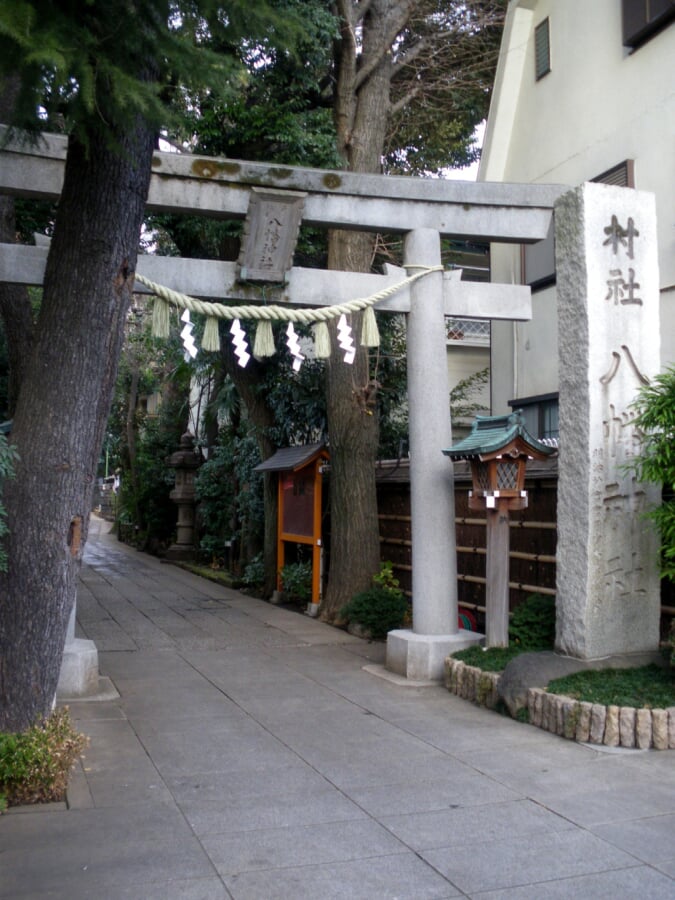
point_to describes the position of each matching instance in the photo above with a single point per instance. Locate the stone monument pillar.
(608, 313)
(186, 462)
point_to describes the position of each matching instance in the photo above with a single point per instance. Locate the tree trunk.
(62, 410)
(361, 113)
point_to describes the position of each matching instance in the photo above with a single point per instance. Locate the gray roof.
(291, 458)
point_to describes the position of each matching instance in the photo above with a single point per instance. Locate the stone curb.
(587, 723)
(471, 683)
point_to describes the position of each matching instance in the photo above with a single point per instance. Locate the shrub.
(254, 572)
(532, 625)
(35, 764)
(380, 609)
(296, 581)
(654, 422)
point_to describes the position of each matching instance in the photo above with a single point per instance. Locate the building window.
(622, 175)
(540, 415)
(542, 50)
(538, 260)
(643, 18)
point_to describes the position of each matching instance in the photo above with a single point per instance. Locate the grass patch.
(219, 576)
(647, 686)
(493, 659)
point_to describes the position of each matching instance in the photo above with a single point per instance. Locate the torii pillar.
(419, 654)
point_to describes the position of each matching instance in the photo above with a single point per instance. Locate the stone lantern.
(185, 461)
(498, 449)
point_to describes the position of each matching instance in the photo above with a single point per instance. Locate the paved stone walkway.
(250, 756)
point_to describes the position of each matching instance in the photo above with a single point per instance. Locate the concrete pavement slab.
(651, 839)
(526, 859)
(452, 827)
(626, 884)
(274, 848)
(464, 788)
(384, 878)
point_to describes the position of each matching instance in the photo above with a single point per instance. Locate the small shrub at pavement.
(381, 608)
(296, 581)
(532, 625)
(35, 764)
(531, 629)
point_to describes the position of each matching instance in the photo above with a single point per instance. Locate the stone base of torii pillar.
(419, 654)
(79, 675)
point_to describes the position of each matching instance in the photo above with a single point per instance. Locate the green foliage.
(646, 686)
(489, 659)
(531, 629)
(279, 112)
(532, 625)
(450, 80)
(463, 402)
(386, 579)
(254, 572)
(138, 443)
(297, 399)
(96, 66)
(654, 419)
(154, 480)
(229, 492)
(35, 764)
(296, 581)
(377, 611)
(8, 457)
(381, 608)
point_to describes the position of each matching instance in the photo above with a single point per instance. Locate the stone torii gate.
(425, 210)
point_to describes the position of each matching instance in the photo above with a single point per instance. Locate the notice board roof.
(290, 459)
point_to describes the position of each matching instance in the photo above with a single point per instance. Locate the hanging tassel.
(321, 341)
(263, 345)
(370, 335)
(211, 339)
(161, 318)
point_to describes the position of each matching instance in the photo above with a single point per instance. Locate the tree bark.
(362, 107)
(62, 410)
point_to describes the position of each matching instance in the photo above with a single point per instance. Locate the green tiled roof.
(489, 433)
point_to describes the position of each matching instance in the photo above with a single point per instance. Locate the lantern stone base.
(421, 657)
(181, 553)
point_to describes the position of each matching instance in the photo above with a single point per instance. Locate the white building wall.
(464, 360)
(599, 105)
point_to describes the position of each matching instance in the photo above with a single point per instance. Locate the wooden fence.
(533, 537)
